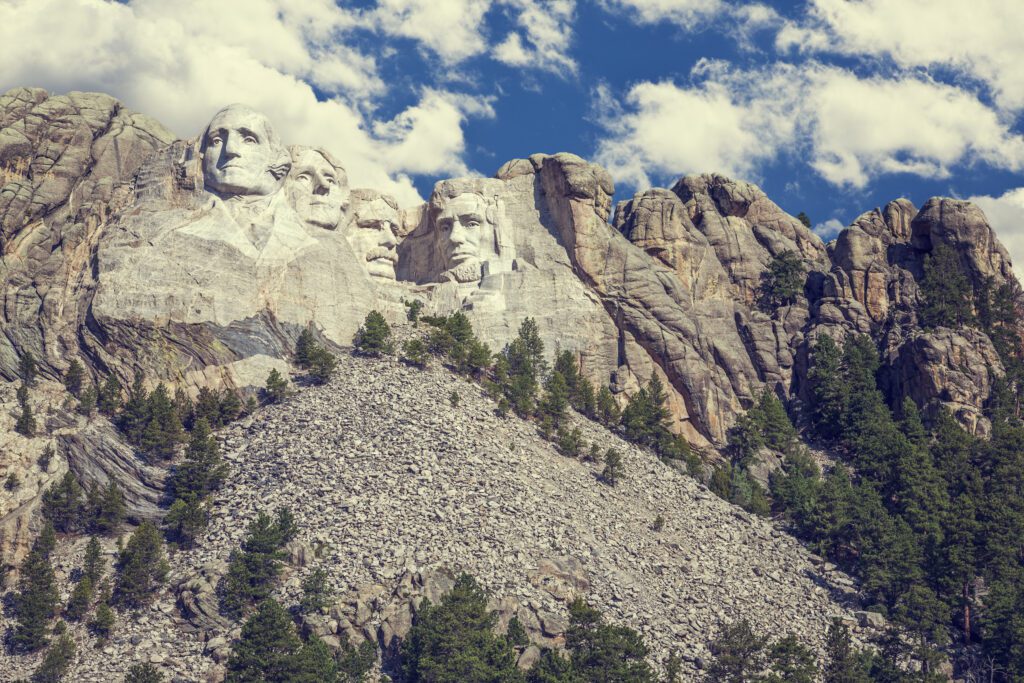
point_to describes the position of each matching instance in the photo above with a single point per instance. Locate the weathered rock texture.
(395, 491)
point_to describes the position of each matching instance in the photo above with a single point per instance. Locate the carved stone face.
(317, 189)
(241, 153)
(465, 235)
(372, 236)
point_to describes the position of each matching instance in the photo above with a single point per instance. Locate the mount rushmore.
(199, 262)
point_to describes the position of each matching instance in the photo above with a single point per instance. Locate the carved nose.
(459, 233)
(232, 147)
(321, 189)
(387, 236)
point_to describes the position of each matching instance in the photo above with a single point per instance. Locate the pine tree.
(374, 336)
(947, 292)
(203, 470)
(57, 662)
(316, 593)
(314, 663)
(108, 399)
(556, 397)
(105, 509)
(613, 468)
(185, 520)
(35, 602)
(92, 565)
(163, 430)
(143, 673)
(26, 424)
(253, 570)
(277, 387)
(783, 281)
(62, 504)
(608, 412)
(80, 600)
(414, 352)
(267, 647)
(230, 407)
(87, 402)
(322, 364)
(103, 621)
(141, 567)
(184, 408)
(791, 662)
(738, 654)
(553, 667)
(27, 368)
(827, 388)
(305, 343)
(454, 641)
(842, 664)
(73, 378)
(603, 653)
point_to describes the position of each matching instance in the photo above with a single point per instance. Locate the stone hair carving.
(242, 154)
(467, 231)
(317, 186)
(372, 232)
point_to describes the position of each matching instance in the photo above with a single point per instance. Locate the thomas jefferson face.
(317, 189)
(372, 236)
(241, 153)
(464, 231)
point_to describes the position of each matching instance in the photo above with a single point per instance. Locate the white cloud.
(682, 12)
(1006, 216)
(980, 38)
(547, 27)
(453, 29)
(850, 129)
(829, 229)
(180, 62)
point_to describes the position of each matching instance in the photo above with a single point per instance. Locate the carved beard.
(468, 271)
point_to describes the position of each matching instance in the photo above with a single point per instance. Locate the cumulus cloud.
(452, 29)
(1006, 216)
(182, 61)
(829, 229)
(741, 20)
(850, 128)
(544, 37)
(981, 38)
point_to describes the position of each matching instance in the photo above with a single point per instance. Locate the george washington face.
(241, 153)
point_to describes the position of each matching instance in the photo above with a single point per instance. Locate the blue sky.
(832, 106)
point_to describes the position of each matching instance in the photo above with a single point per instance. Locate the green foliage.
(520, 366)
(791, 662)
(947, 292)
(604, 653)
(804, 218)
(374, 336)
(569, 442)
(554, 667)
(73, 378)
(303, 345)
(646, 421)
(11, 482)
(105, 509)
(276, 388)
(316, 592)
(516, 634)
(355, 662)
(62, 504)
(143, 673)
(45, 457)
(26, 423)
(163, 430)
(102, 623)
(108, 399)
(80, 600)
(454, 641)
(613, 467)
(414, 352)
(253, 570)
(203, 470)
(783, 282)
(141, 567)
(57, 662)
(322, 364)
(92, 565)
(741, 655)
(453, 399)
(453, 339)
(36, 600)
(842, 663)
(608, 412)
(267, 648)
(27, 368)
(185, 520)
(412, 312)
(87, 402)
(135, 414)
(556, 397)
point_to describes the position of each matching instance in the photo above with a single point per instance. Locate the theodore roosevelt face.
(372, 235)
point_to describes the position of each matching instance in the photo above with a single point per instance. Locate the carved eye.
(446, 225)
(213, 141)
(250, 139)
(330, 181)
(472, 223)
(304, 177)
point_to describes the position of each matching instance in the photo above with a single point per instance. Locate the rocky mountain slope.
(393, 489)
